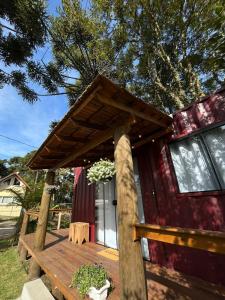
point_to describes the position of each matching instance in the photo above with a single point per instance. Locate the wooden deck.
(61, 258)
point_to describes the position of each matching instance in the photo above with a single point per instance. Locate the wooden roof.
(14, 174)
(85, 134)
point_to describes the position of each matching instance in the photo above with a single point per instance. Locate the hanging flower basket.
(101, 171)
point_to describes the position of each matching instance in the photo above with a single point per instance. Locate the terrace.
(60, 258)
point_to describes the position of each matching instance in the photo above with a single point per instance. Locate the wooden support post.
(59, 220)
(131, 265)
(40, 234)
(23, 254)
(23, 230)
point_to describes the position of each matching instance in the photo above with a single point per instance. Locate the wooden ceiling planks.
(87, 129)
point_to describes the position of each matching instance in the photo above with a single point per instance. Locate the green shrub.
(89, 276)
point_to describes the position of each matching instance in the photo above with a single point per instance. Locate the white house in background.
(10, 186)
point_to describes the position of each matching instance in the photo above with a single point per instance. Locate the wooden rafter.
(151, 137)
(99, 139)
(70, 140)
(121, 106)
(52, 157)
(62, 123)
(56, 151)
(78, 134)
(86, 124)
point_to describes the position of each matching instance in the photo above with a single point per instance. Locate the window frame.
(200, 134)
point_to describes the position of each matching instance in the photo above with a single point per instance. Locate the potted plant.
(91, 280)
(101, 171)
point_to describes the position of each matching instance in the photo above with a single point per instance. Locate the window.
(6, 200)
(199, 161)
(16, 181)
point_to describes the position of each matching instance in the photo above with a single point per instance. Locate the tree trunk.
(131, 265)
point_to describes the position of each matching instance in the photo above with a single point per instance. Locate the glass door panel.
(99, 213)
(110, 215)
(106, 218)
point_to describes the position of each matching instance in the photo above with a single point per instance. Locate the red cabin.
(180, 180)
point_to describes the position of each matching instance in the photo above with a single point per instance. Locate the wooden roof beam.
(51, 157)
(99, 139)
(55, 151)
(70, 140)
(79, 108)
(154, 135)
(86, 124)
(121, 106)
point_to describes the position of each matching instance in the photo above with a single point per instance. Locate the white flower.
(103, 171)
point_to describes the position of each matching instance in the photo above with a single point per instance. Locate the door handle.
(114, 202)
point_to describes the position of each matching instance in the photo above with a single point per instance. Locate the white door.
(106, 217)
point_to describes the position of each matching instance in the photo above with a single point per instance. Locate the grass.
(12, 275)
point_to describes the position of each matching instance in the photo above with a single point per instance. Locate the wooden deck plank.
(61, 258)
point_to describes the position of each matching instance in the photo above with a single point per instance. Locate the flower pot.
(100, 294)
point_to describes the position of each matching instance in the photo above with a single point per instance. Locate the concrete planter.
(100, 294)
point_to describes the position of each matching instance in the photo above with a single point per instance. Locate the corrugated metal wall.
(203, 113)
(166, 206)
(84, 201)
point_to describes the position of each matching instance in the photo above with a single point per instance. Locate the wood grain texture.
(212, 241)
(131, 266)
(40, 234)
(102, 106)
(61, 258)
(23, 231)
(134, 112)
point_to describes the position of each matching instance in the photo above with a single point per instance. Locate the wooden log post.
(131, 265)
(21, 249)
(40, 234)
(24, 227)
(59, 220)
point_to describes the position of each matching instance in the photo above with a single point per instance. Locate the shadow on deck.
(61, 258)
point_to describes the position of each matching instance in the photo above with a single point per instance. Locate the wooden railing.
(60, 211)
(212, 241)
(35, 214)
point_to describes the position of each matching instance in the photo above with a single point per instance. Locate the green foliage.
(23, 30)
(12, 276)
(78, 45)
(3, 169)
(19, 164)
(35, 180)
(32, 197)
(64, 182)
(101, 171)
(52, 125)
(166, 52)
(89, 276)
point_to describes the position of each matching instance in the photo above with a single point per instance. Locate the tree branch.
(54, 94)
(9, 28)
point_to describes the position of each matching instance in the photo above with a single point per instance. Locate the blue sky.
(28, 123)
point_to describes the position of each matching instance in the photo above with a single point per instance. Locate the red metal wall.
(83, 209)
(205, 210)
